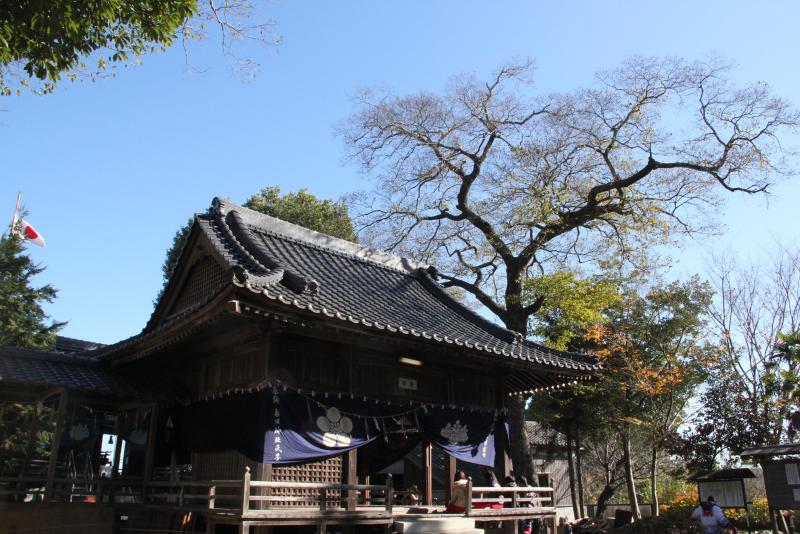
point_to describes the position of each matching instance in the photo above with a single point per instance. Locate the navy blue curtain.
(469, 436)
(287, 427)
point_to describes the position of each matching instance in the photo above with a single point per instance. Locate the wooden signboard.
(726, 493)
(782, 480)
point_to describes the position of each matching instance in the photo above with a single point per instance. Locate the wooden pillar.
(502, 462)
(451, 475)
(774, 521)
(115, 464)
(350, 476)
(149, 457)
(61, 413)
(30, 449)
(427, 469)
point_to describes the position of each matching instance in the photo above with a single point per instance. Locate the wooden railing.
(508, 501)
(261, 497)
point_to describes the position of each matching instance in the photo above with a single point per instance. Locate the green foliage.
(47, 40)
(305, 209)
(301, 208)
(15, 435)
(23, 322)
(759, 515)
(570, 305)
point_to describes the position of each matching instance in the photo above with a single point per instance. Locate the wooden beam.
(61, 413)
(502, 462)
(427, 468)
(30, 449)
(117, 447)
(149, 457)
(451, 475)
(350, 477)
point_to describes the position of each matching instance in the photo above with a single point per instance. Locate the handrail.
(327, 493)
(207, 493)
(512, 500)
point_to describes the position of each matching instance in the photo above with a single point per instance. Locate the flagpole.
(16, 209)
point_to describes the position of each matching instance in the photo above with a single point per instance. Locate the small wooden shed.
(781, 465)
(725, 485)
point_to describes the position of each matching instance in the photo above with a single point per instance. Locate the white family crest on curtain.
(455, 433)
(336, 427)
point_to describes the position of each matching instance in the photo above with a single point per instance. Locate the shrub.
(682, 505)
(759, 515)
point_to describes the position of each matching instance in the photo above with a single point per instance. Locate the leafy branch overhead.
(43, 42)
(495, 184)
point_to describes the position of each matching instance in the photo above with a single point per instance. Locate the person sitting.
(412, 496)
(458, 500)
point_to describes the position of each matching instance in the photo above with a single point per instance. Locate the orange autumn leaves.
(633, 368)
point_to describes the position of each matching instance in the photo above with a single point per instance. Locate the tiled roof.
(35, 367)
(333, 278)
(541, 436)
(71, 345)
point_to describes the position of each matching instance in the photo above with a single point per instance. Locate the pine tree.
(23, 322)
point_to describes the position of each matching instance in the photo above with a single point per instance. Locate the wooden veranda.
(247, 503)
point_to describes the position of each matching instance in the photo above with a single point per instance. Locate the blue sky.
(109, 170)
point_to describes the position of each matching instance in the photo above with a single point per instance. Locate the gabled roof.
(294, 267)
(43, 368)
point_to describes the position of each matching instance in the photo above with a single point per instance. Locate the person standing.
(711, 517)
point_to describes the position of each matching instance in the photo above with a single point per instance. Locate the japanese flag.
(26, 231)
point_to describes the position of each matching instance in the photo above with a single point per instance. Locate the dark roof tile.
(336, 278)
(73, 371)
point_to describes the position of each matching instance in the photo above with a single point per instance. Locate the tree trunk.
(629, 481)
(521, 458)
(520, 450)
(571, 468)
(602, 500)
(579, 469)
(653, 482)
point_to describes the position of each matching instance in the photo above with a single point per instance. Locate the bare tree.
(755, 303)
(494, 185)
(234, 23)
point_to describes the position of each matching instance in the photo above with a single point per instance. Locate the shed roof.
(772, 450)
(342, 281)
(722, 474)
(44, 368)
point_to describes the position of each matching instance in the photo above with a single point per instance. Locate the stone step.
(436, 525)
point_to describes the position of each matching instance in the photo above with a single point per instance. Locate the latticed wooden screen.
(325, 472)
(205, 278)
(229, 465)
